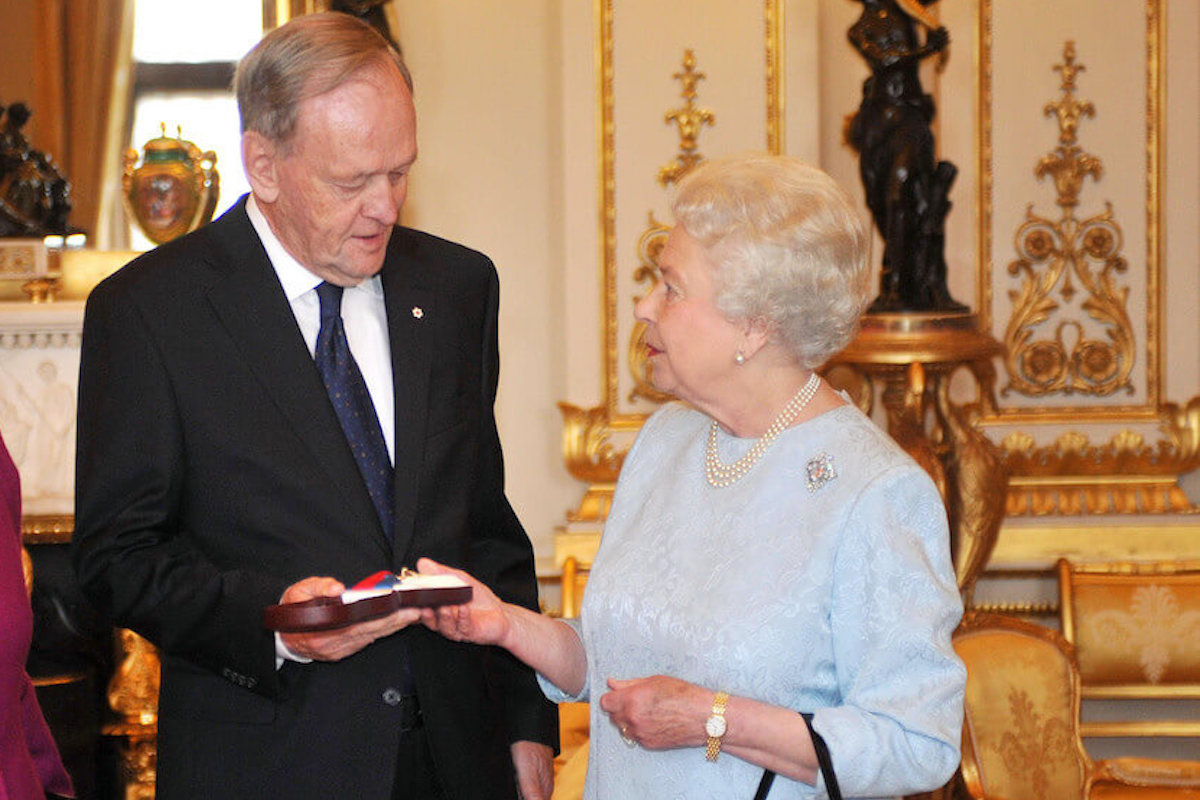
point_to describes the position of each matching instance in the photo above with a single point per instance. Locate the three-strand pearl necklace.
(721, 475)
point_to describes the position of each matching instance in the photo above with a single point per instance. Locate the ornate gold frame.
(1155, 121)
(1072, 475)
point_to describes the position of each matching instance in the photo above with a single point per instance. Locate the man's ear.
(260, 159)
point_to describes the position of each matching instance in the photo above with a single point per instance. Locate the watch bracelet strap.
(823, 760)
(712, 747)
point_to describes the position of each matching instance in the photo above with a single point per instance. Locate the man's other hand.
(534, 764)
(336, 644)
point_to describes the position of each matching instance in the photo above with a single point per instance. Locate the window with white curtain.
(183, 64)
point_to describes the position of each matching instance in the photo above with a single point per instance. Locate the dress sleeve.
(895, 605)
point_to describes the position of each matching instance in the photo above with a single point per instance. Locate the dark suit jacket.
(212, 474)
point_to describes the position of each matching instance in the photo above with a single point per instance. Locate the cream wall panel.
(582, 301)
(802, 79)
(1181, 201)
(1114, 80)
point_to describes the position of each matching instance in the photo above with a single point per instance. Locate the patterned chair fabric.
(1021, 736)
(1136, 632)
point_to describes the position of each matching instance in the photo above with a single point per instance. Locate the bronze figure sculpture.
(35, 198)
(907, 189)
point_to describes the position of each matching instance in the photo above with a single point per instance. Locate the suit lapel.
(410, 298)
(249, 301)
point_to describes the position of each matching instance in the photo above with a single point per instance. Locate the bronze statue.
(906, 189)
(35, 198)
(370, 12)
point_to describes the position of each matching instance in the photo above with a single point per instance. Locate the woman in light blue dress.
(769, 550)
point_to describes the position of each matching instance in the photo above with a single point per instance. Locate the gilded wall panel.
(672, 89)
(668, 65)
(1070, 206)
(1070, 211)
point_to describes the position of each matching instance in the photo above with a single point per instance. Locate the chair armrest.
(1148, 772)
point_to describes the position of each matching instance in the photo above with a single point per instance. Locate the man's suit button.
(392, 696)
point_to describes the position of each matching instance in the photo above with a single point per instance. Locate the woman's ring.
(625, 737)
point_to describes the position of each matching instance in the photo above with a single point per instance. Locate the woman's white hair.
(789, 247)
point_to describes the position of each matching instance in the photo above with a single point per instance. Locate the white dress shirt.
(363, 315)
(365, 319)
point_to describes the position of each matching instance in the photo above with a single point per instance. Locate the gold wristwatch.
(714, 726)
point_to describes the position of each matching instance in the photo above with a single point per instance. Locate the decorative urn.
(175, 189)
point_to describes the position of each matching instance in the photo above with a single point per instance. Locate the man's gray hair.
(306, 57)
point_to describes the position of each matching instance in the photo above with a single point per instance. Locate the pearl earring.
(739, 358)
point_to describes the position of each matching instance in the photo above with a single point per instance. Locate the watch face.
(715, 726)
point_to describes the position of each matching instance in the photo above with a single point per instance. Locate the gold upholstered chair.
(1136, 632)
(1021, 732)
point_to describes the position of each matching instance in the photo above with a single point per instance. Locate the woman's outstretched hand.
(484, 620)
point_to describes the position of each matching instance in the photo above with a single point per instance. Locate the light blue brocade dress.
(838, 600)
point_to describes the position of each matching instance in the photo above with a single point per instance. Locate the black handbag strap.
(823, 759)
(764, 786)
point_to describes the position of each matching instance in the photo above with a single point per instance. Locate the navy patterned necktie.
(352, 403)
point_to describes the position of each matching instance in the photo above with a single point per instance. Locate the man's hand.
(534, 764)
(334, 645)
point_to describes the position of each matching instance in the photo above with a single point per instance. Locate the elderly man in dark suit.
(281, 403)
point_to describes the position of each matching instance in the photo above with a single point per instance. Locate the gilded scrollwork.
(1182, 424)
(650, 244)
(1051, 256)
(133, 696)
(588, 452)
(977, 477)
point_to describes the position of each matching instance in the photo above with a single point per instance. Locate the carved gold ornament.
(650, 245)
(1050, 347)
(689, 120)
(591, 457)
(133, 696)
(1126, 475)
